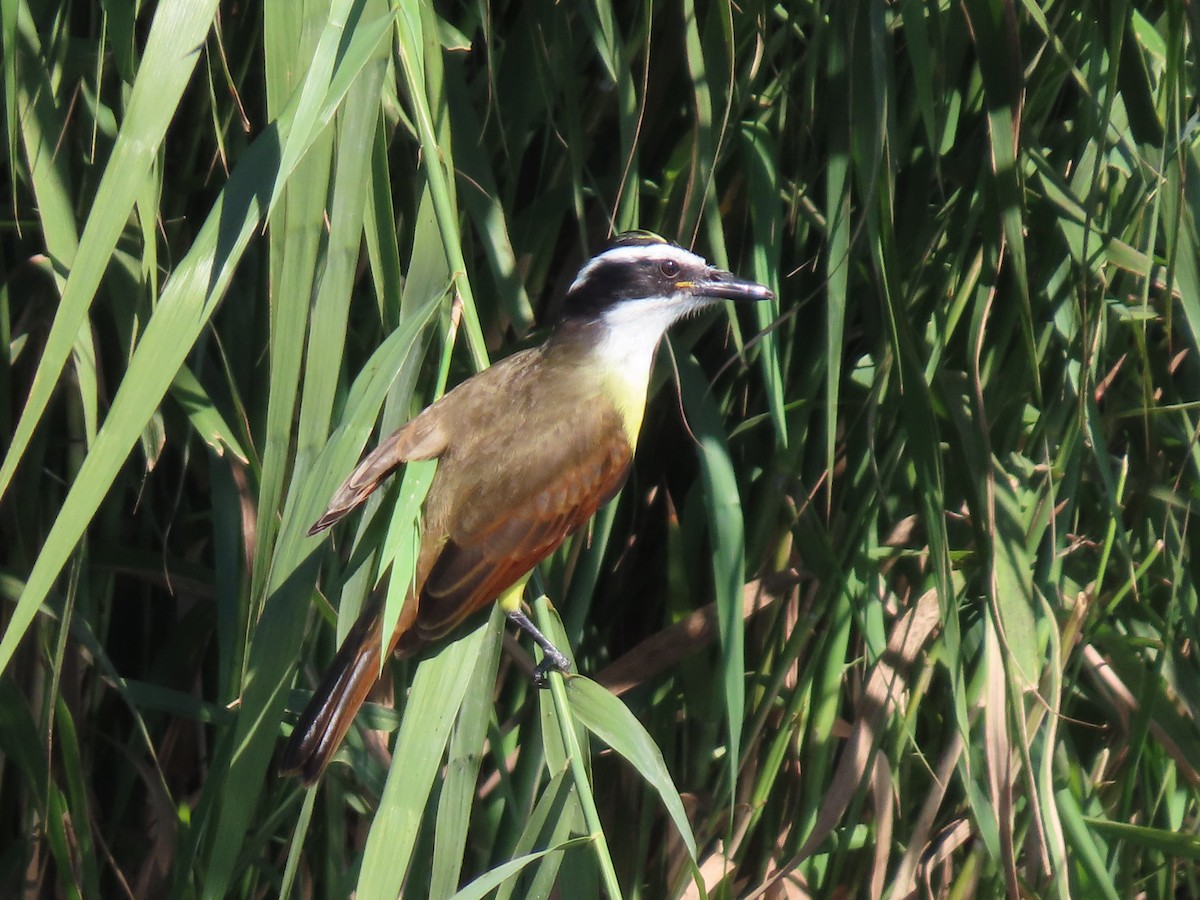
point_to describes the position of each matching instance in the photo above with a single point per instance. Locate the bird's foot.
(552, 658)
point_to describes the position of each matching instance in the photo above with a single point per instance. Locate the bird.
(528, 449)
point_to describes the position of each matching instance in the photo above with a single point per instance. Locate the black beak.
(718, 284)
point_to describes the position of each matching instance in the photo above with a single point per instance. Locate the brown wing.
(476, 566)
(421, 438)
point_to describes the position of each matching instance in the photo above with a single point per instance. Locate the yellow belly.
(628, 395)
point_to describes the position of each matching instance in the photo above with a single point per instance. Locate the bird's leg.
(552, 657)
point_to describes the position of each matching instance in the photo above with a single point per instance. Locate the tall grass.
(899, 599)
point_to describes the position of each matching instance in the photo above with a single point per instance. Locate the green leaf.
(727, 539)
(612, 722)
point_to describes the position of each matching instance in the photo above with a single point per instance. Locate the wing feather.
(420, 438)
(476, 566)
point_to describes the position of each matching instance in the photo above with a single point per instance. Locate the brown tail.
(337, 699)
(355, 668)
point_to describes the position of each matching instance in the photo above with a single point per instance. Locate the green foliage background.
(904, 598)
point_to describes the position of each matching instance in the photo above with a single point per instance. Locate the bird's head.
(642, 281)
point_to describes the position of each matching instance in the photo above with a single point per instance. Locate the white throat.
(629, 334)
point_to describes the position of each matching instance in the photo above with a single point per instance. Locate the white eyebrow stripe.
(648, 253)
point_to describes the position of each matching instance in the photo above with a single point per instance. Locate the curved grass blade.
(611, 721)
(727, 538)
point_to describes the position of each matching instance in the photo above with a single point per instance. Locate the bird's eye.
(669, 267)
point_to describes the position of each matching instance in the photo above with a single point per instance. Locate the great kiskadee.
(527, 450)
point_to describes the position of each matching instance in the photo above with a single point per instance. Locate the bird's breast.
(628, 397)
